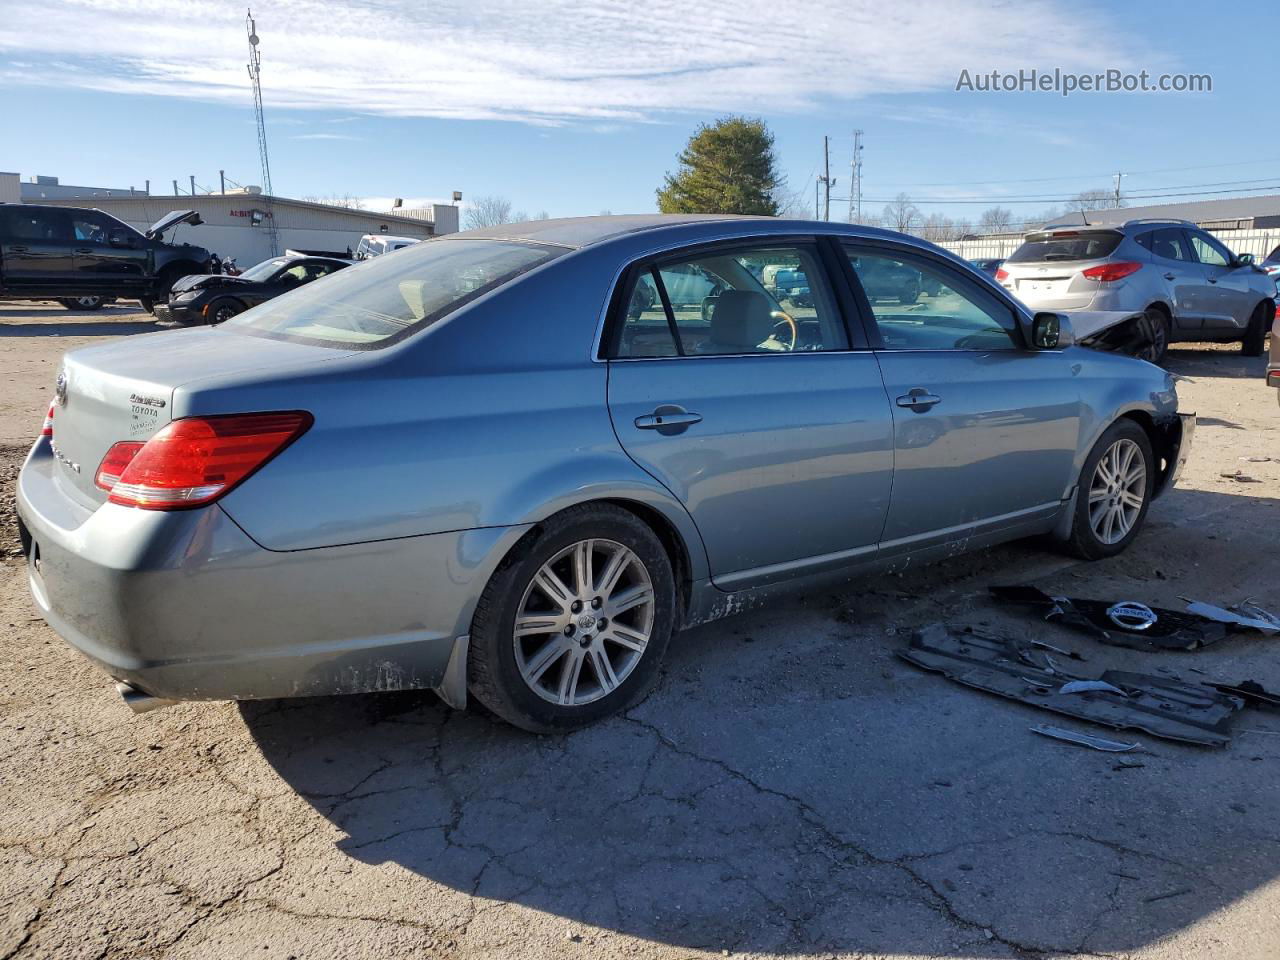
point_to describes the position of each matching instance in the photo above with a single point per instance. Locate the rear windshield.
(1073, 245)
(1273, 256)
(385, 299)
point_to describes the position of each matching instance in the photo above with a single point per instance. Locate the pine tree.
(727, 167)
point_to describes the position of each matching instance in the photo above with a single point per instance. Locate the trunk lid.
(124, 390)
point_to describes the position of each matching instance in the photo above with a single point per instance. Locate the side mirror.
(1052, 331)
(119, 238)
(1244, 260)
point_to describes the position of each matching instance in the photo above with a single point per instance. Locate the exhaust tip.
(140, 702)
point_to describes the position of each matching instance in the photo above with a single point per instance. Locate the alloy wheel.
(584, 622)
(1117, 491)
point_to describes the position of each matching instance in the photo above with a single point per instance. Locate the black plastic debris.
(1012, 668)
(1251, 692)
(1244, 616)
(1122, 624)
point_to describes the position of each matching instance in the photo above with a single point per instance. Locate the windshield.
(1067, 245)
(1273, 256)
(260, 271)
(387, 298)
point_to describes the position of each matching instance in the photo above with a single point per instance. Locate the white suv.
(1181, 281)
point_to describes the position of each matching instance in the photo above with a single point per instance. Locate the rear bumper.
(184, 605)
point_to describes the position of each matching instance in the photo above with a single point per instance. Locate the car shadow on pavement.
(1226, 363)
(102, 328)
(792, 787)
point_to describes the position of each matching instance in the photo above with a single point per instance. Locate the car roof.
(578, 232)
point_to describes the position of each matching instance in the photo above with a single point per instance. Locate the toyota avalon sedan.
(508, 463)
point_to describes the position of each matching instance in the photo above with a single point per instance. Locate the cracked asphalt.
(790, 789)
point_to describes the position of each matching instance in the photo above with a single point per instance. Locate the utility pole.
(255, 74)
(193, 184)
(1116, 195)
(826, 182)
(222, 181)
(175, 188)
(817, 208)
(855, 180)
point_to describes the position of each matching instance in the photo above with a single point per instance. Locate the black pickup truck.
(82, 258)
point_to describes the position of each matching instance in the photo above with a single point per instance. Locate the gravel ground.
(790, 789)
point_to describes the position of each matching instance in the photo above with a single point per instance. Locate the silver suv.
(1183, 281)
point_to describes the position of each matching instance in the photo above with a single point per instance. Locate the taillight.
(1112, 271)
(47, 429)
(112, 467)
(1002, 275)
(195, 461)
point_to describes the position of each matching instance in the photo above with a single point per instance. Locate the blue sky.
(575, 106)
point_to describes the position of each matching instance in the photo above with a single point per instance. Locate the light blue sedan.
(509, 463)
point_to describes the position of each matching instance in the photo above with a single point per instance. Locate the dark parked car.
(889, 280)
(215, 298)
(82, 257)
(988, 265)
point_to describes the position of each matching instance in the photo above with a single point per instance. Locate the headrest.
(741, 320)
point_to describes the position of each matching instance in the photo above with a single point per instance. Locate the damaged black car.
(213, 298)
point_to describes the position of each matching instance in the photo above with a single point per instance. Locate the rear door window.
(1067, 245)
(733, 301)
(1167, 244)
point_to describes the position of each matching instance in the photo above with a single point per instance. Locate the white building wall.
(1258, 242)
(10, 188)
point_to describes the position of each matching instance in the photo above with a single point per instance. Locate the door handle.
(18, 249)
(1211, 280)
(918, 400)
(668, 419)
(1171, 276)
(84, 250)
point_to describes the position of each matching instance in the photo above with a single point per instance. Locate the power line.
(1086, 176)
(1050, 198)
(998, 201)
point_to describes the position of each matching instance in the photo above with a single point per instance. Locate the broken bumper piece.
(1011, 668)
(1120, 623)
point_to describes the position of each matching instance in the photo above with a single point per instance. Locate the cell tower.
(255, 74)
(855, 180)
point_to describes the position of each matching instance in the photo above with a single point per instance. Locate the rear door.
(754, 411)
(985, 430)
(36, 249)
(1185, 276)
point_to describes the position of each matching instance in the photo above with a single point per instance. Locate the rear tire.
(1159, 333)
(1255, 335)
(1120, 468)
(83, 303)
(568, 685)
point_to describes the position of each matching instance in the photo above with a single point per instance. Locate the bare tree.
(961, 229)
(902, 214)
(606, 212)
(996, 220)
(488, 212)
(1095, 200)
(542, 215)
(347, 200)
(520, 216)
(938, 228)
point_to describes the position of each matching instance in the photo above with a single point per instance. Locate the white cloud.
(551, 61)
(323, 136)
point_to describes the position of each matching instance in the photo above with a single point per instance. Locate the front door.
(1229, 301)
(36, 249)
(746, 402)
(985, 430)
(99, 264)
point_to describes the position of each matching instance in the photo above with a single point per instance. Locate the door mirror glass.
(1244, 259)
(1052, 331)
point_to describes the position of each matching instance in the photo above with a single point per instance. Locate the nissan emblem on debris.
(1132, 616)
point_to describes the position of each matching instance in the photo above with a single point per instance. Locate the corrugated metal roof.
(1197, 211)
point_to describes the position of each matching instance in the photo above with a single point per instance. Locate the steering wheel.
(785, 318)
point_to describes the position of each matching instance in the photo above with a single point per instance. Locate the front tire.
(223, 310)
(1114, 492)
(1255, 335)
(573, 626)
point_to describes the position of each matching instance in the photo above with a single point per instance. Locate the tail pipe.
(140, 702)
